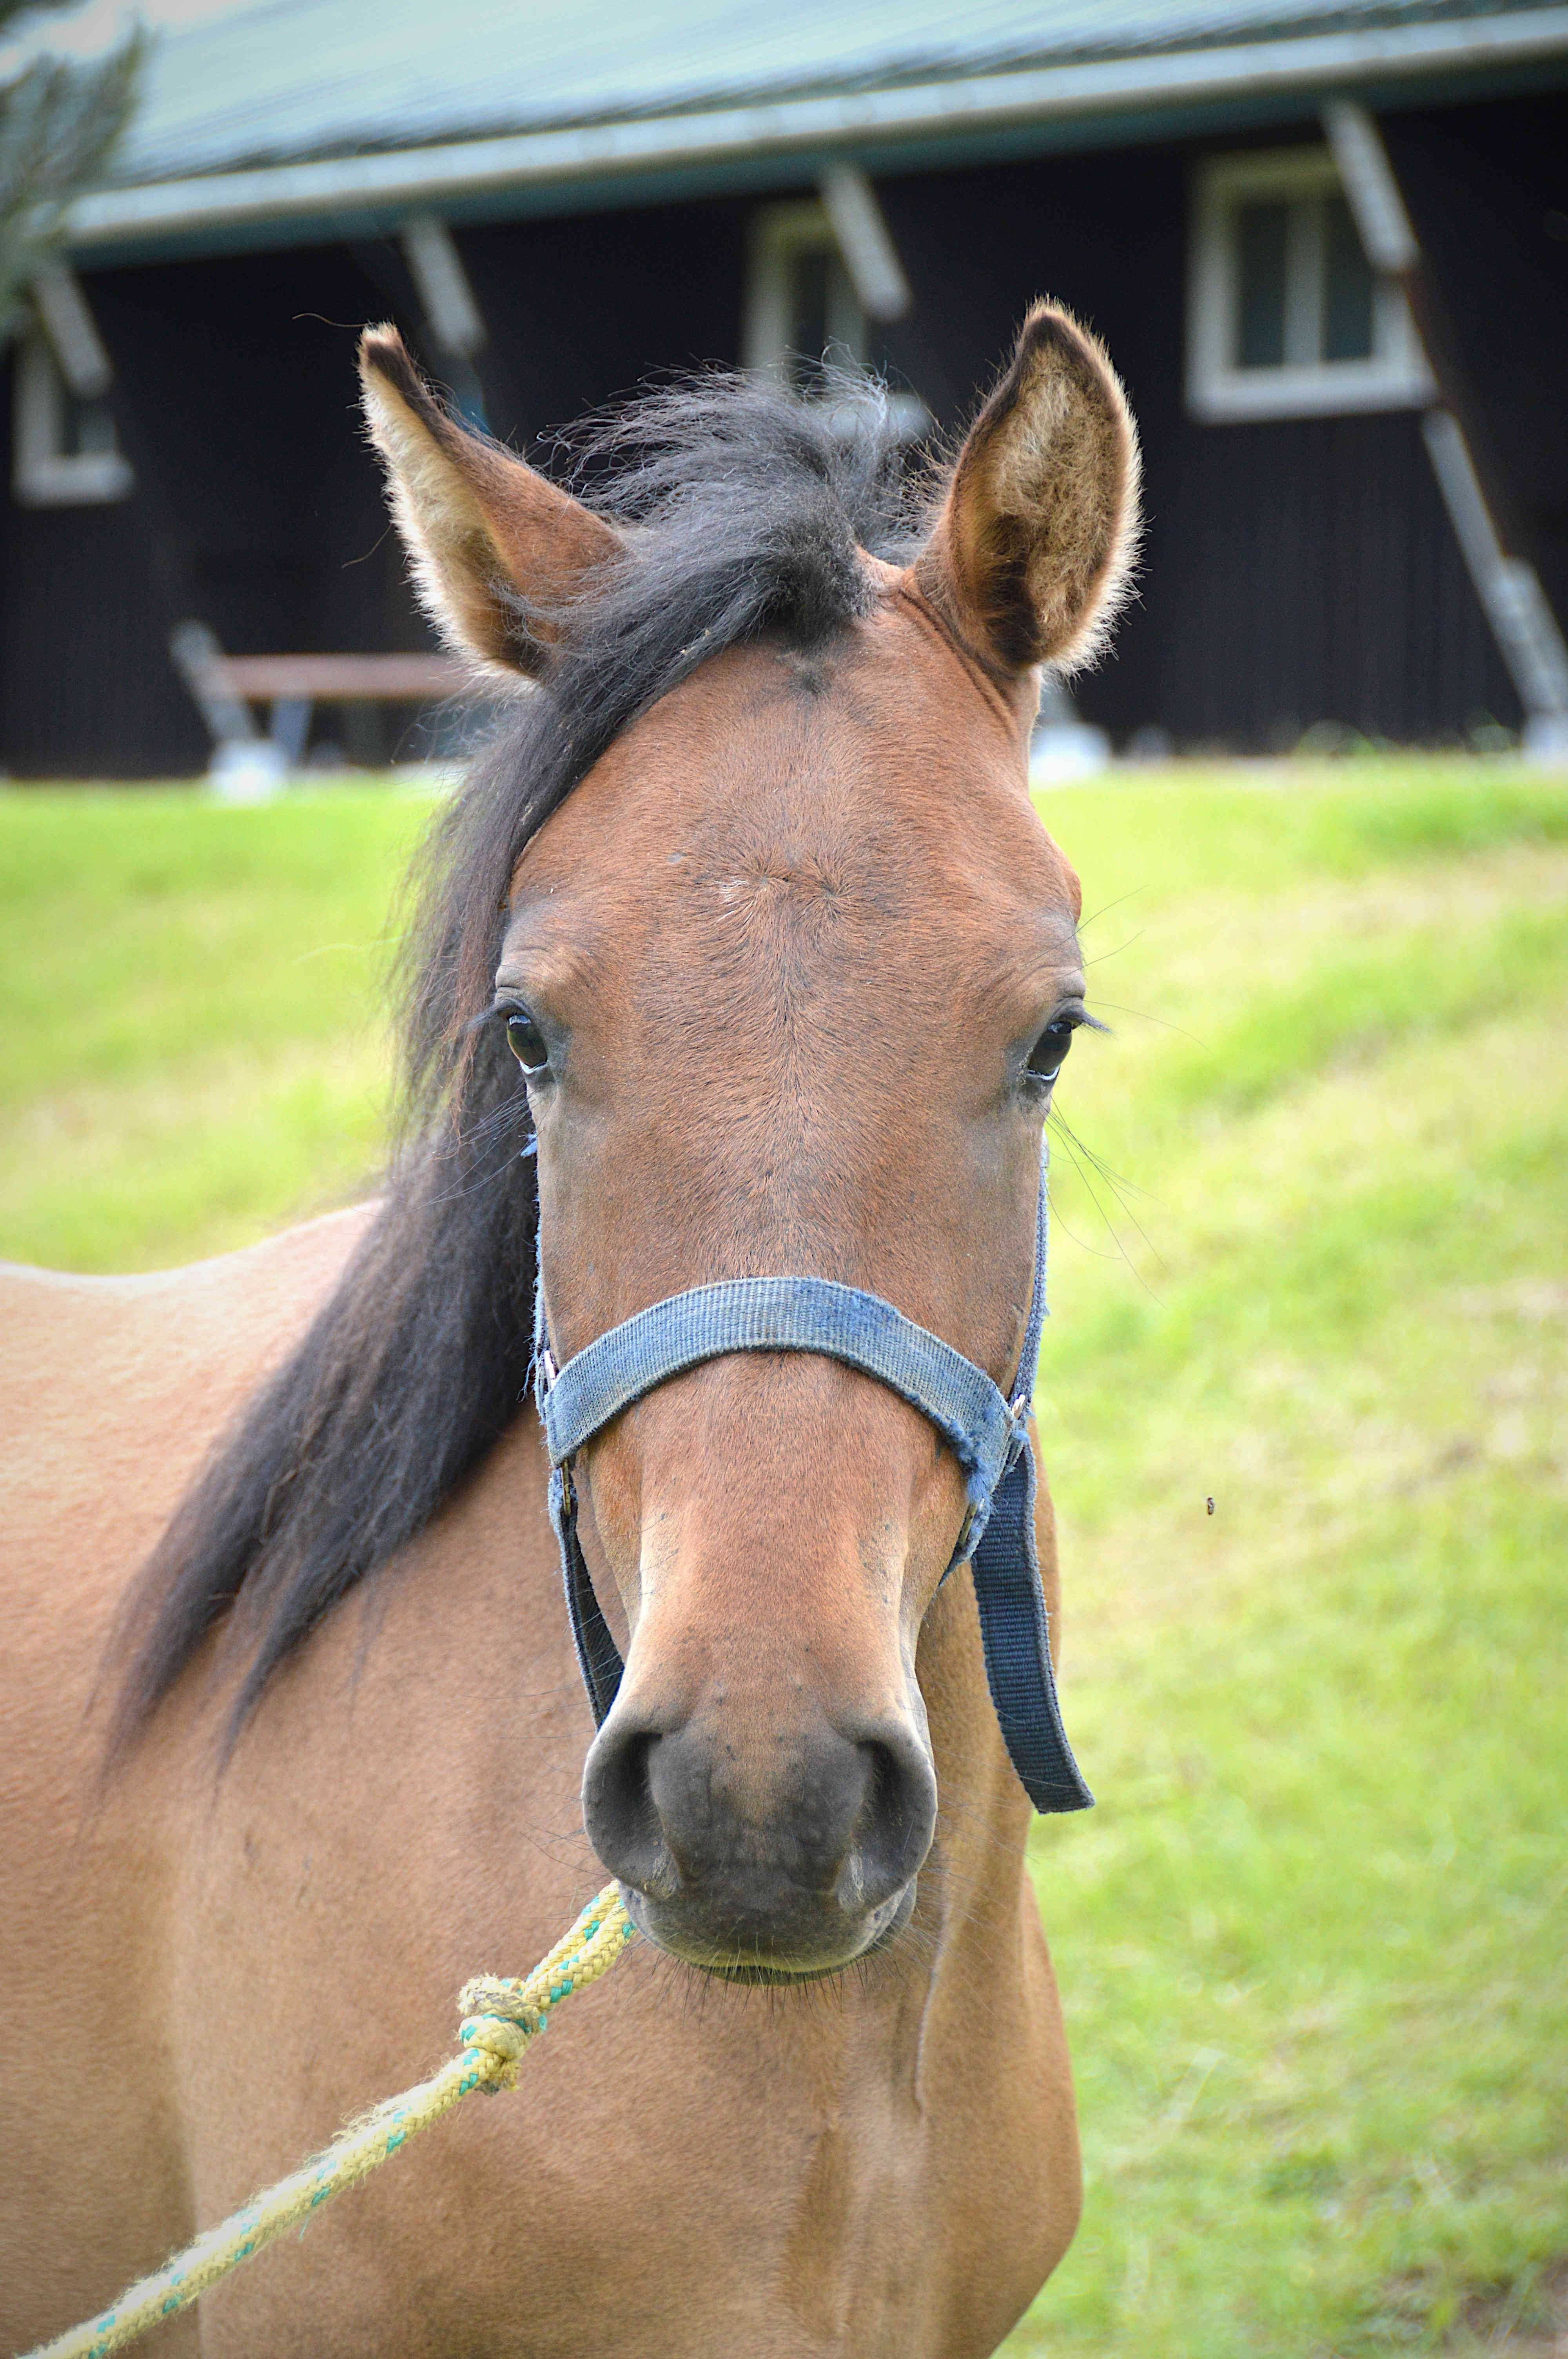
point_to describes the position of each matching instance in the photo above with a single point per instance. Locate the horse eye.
(1046, 1056)
(526, 1043)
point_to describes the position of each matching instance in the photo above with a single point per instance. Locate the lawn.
(1310, 1262)
(192, 1050)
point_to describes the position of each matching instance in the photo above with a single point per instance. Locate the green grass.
(1312, 1942)
(191, 1051)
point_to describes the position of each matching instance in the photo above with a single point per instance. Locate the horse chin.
(661, 1924)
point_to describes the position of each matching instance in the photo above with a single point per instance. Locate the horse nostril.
(619, 1812)
(817, 1832)
(896, 1822)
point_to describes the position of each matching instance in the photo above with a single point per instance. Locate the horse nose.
(793, 1843)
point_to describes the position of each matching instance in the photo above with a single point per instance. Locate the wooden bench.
(225, 687)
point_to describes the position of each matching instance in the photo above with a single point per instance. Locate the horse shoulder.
(111, 1388)
(110, 1391)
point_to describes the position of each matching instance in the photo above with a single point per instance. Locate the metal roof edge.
(461, 170)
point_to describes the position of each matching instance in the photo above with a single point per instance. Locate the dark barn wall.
(254, 509)
(1488, 189)
(258, 509)
(581, 311)
(1296, 571)
(1311, 575)
(86, 687)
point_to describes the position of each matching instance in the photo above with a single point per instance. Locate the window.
(1286, 316)
(802, 314)
(65, 451)
(801, 305)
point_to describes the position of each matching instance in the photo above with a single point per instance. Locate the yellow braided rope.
(501, 2016)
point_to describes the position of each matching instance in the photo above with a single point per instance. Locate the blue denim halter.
(988, 1435)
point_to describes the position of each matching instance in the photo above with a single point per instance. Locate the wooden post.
(1528, 635)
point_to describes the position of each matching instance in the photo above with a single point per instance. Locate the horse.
(741, 951)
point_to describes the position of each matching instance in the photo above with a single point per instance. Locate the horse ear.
(1031, 553)
(495, 550)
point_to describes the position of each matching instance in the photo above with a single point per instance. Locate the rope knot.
(494, 2034)
(499, 2018)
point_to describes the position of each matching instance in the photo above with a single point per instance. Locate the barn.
(1327, 245)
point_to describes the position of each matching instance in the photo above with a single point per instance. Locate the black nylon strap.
(1013, 1631)
(598, 1656)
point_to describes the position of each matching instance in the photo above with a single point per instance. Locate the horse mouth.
(752, 1965)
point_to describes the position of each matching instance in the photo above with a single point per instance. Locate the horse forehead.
(843, 794)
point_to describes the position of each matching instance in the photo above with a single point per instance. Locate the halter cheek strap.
(987, 1434)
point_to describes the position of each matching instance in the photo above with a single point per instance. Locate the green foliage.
(1310, 1942)
(59, 124)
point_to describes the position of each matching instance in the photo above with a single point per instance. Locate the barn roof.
(264, 119)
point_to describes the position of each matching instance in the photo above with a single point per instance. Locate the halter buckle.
(547, 1367)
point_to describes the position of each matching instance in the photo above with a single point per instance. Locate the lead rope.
(501, 2016)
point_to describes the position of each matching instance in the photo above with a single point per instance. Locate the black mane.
(744, 507)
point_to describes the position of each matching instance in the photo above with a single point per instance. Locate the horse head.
(788, 977)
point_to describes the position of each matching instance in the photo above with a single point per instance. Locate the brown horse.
(752, 888)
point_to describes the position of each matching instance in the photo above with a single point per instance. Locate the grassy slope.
(1312, 1940)
(191, 1051)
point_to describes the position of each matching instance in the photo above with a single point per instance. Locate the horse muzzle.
(770, 1854)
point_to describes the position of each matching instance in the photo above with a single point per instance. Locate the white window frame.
(1395, 376)
(780, 233)
(44, 474)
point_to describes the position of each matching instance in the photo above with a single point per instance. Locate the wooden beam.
(865, 242)
(1528, 635)
(346, 679)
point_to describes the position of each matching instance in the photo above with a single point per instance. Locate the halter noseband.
(987, 1434)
